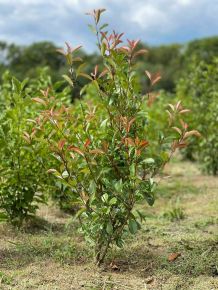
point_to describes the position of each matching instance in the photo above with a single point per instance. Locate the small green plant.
(174, 214)
(5, 279)
(108, 153)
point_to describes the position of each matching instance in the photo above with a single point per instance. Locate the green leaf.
(119, 243)
(113, 201)
(149, 197)
(3, 216)
(103, 48)
(141, 215)
(109, 228)
(132, 170)
(80, 212)
(65, 174)
(92, 28)
(104, 123)
(17, 86)
(103, 26)
(133, 226)
(92, 187)
(105, 197)
(68, 79)
(24, 82)
(118, 186)
(149, 160)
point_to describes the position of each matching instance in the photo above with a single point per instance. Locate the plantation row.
(104, 153)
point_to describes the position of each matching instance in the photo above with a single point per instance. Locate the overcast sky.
(153, 21)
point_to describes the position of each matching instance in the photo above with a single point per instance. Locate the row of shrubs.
(101, 154)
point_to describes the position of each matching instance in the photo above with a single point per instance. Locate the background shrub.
(200, 92)
(21, 182)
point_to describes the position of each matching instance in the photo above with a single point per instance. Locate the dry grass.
(51, 255)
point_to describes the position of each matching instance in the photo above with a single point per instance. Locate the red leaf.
(69, 48)
(87, 143)
(124, 49)
(178, 105)
(96, 151)
(104, 72)
(27, 139)
(155, 78)
(144, 143)
(96, 70)
(26, 134)
(72, 155)
(148, 74)
(51, 170)
(97, 14)
(170, 117)
(185, 111)
(76, 48)
(129, 141)
(184, 125)
(105, 146)
(151, 98)
(40, 101)
(79, 151)
(172, 107)
(177, 130)
(45, 92)
(181, 145)
(129, 124)
(61, 144)
(192, 133)
(140, 52)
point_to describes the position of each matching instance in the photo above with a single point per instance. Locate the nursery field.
(108, 169)
(177, 247)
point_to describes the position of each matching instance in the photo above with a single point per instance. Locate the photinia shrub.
(21, 169)
(23, 182)
(108, 153)
(200, 93)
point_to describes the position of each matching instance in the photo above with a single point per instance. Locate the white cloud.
(184, 2)
(158, 21)
(149, 16)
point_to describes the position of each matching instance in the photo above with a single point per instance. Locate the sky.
(153, 21)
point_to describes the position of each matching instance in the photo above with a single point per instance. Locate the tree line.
(171, 60)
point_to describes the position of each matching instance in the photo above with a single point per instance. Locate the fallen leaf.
(172, 257)
(149, 280)
(114, 267)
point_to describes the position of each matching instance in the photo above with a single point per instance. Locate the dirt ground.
(177, 247)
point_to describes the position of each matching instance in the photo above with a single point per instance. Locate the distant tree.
(23, 60)
(166, 59)
(203, 49)
(171, 60)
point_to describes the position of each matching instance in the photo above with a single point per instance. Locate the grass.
(50, 254)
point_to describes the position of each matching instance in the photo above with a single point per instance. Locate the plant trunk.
(101, 252)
